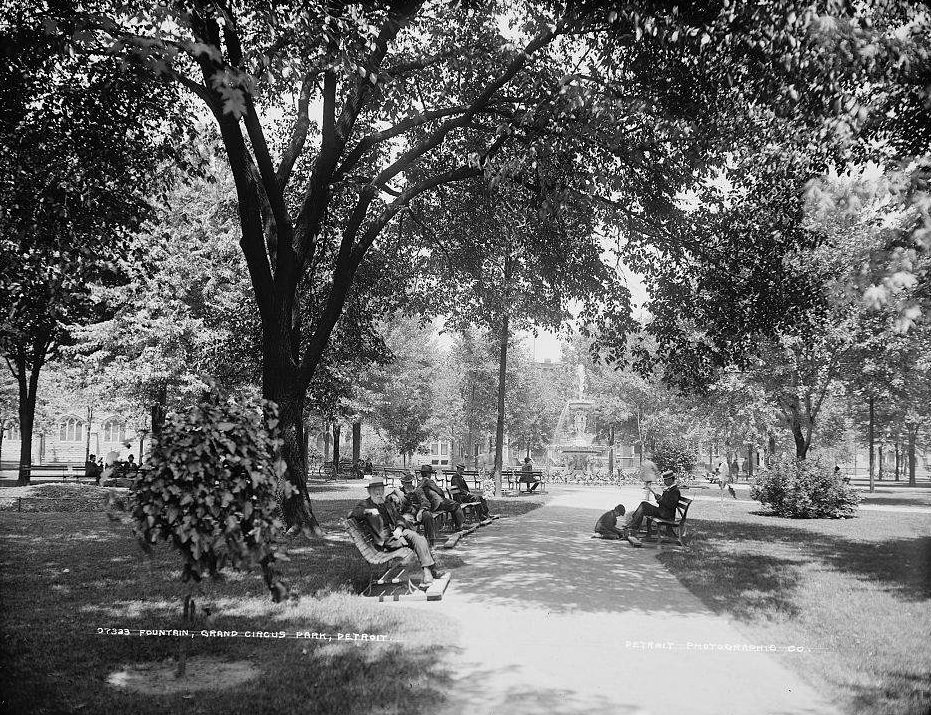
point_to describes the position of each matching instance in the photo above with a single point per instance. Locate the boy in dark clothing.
(606, 526)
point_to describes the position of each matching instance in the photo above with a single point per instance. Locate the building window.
(444, 448)
(12, 430)
(71, 430)
(114, 430)
(434, 448)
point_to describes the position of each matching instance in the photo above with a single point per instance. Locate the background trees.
(70, 196)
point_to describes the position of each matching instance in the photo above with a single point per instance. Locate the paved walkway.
(550, 620)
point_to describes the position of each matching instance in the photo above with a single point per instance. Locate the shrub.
(676, 454)
(209, 488)
(804, 489)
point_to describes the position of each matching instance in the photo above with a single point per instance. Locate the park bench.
(469, 509)
(677, 525)
(470, 475)
(392, 583)
(514, 478)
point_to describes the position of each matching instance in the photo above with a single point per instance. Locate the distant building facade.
(68, 441)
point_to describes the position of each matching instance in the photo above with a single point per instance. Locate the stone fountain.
(573, 445)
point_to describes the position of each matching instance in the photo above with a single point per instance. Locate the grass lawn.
(63, 575)
(856, 594)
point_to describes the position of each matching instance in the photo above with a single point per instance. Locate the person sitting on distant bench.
(465, 495)
(666, 503)
(606, 526)
(527, 477)
(437, 497)
(92, 470)
(390, 532)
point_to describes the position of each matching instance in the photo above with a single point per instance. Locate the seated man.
(414, 506)
(390, 532)
(665, 503)
(437, 497)
(527, 476)
(92, 470)
(606, 526)
(465, 495)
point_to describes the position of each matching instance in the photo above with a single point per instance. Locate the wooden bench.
(391, 585)
(515, 476)
(469, 508)
(677, 525)
(470, 475)
(375, 557)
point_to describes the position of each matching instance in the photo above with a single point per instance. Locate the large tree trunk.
(640, 434)
(801, 444)
(280, 384)
(912, 438)
(356, 442)
(898, 462)
(611, 451)
(337, 428)
(751, 453)
(28, 388)
(502, 385)
(872, 441)
(879, 470)
(87, 444)
(470, 445)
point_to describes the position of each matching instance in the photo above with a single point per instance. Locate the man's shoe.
(437, 573)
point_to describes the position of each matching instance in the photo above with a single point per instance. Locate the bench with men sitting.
(399, 524)
(515, 481)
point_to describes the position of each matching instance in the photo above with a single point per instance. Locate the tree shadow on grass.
(899, 565)
(919, 501)
(55, 660)
(548, 560)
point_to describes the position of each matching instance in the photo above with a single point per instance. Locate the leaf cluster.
(210, 488)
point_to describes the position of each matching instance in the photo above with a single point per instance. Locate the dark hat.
(620, 509)
(427, 468)
(460, 466)
(375, 482)
(407, 479)
(668, 475)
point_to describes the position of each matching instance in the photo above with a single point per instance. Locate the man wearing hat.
(390, 531)
(665, 503)
(413, 503)
(437, 497)
(465, 495)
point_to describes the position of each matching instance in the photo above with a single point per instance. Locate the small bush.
(803, 489)
(676, 454)
(209, 488)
